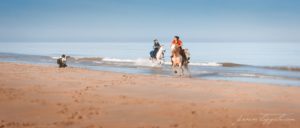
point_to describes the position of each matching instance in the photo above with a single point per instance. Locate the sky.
(144, 20)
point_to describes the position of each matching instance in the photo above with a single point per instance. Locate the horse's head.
(160, 52)
(162, 48)
(174, 49)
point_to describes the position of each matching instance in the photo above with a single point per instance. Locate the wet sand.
(47, 97)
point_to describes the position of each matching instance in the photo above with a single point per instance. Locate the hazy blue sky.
(143, 20)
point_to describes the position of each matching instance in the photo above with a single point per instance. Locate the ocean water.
(261, 62)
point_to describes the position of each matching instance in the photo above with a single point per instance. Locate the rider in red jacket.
(177, 41)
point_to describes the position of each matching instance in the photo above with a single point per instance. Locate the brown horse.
(176, 59)
(179, 63)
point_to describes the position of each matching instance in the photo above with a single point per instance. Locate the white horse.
(160, 55)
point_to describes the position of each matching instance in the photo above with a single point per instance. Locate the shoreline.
(46, 96)
(279, 75)
(146, 74)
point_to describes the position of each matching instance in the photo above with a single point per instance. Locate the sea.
(276, 63)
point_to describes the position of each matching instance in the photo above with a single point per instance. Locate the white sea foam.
(213, 64)
(249, 75)
(147, 62)
(252, 75)
(205, 64)
(117, 60)
(136, 62)
(54, 57)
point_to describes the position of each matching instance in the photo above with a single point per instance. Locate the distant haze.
(144, 20)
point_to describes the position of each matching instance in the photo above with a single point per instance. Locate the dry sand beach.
(47, 97)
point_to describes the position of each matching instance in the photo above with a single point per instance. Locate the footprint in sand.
(210, 111)
(39, 101)
(93, 126)
(123, 96)
(125, 78)
(193, 112)
(10, 94)
(64, 123)
(91, 111)
(77, 95)
(76, 115)
(174, 125)
(64, 109)
(87, 88)
(16, 124)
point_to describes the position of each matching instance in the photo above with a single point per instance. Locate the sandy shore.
(45, 96)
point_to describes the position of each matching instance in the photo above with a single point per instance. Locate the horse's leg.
(162, 59)
(180, 65)
(158, 57)
(175, 66)
(174, 69)
(172, 65)
(151, 59)
(188, 70)
(182, 70)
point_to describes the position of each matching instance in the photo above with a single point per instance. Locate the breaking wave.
(139, 61)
